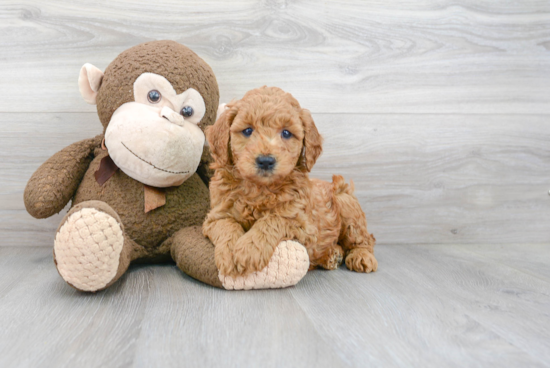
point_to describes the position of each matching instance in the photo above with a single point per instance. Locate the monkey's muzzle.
(153, 146)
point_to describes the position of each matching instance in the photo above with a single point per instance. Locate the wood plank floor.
(451, 306)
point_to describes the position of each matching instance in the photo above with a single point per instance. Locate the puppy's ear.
(218, 136)
(312, 141)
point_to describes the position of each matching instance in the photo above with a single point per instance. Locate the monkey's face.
(152, 116)
(155, 139)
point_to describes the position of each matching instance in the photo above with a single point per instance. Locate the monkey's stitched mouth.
(151, 164)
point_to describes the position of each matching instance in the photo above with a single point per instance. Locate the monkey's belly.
(186, 205)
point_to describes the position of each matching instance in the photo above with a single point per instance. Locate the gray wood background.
(439, 110)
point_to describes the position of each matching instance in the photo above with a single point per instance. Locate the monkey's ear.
(221, 108)
(89, 81)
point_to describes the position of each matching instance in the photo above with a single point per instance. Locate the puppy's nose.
(266, 162)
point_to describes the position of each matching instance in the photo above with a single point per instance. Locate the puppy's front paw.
(250, 254)
(361, 260)
(224, 260)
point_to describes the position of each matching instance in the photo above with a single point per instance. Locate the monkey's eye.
(187, 111)
(286, 134)
(248, 132)
(153, 96)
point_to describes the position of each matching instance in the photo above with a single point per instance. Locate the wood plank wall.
(438, 110)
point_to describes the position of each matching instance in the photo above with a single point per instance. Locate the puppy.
(263, 148)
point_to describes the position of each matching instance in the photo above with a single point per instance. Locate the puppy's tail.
(353, 233)
(340, 186)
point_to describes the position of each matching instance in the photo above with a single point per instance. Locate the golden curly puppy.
(263, 147)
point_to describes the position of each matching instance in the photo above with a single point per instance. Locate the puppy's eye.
(187, 111)
(153, 96)
(248, 132)
(286, 134)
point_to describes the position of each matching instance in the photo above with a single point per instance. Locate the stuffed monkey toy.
(139, 191)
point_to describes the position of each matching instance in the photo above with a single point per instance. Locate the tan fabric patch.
(87, 249)
(154, 197)
(89, 80)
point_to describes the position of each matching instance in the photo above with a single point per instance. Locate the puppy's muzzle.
(266, 163)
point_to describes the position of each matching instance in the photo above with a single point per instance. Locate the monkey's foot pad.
(288, 265)
(87, 249)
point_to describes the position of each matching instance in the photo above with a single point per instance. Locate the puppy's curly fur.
(254, 208)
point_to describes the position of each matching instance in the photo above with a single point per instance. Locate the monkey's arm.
(204, 170)
(55, 182)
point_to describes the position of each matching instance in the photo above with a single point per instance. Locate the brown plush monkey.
(139, 190)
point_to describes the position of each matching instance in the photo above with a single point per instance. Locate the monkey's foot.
(87, 248)
(287, 267)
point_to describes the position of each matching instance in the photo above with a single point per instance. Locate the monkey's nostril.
(266, 163)
(171, 116)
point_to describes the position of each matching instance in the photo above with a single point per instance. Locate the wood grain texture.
(437, 109)
(433, 178)
(210, 328)
(444, 178)
(447, 304)
(534, 262)
(433, 56)
(444, 306)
